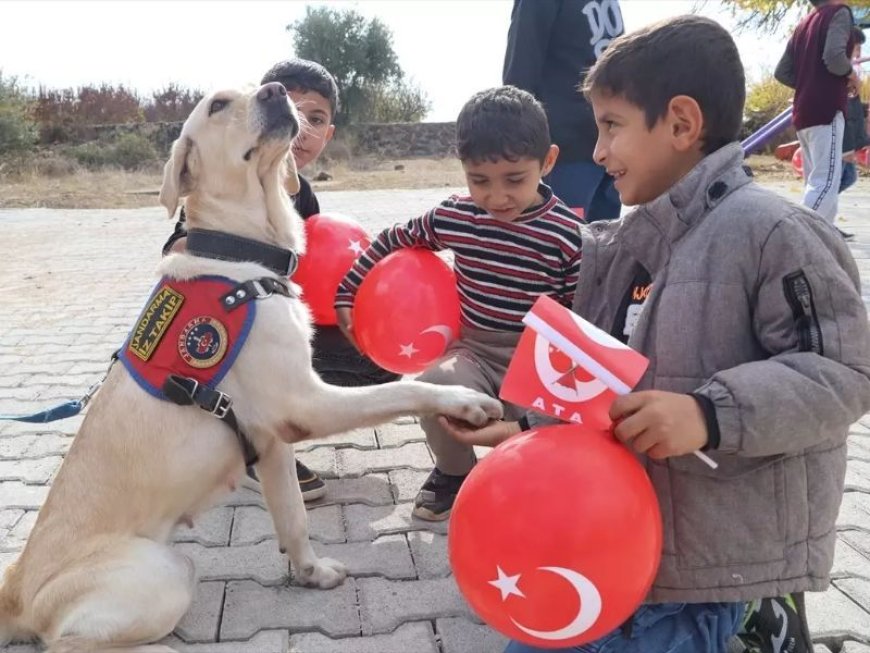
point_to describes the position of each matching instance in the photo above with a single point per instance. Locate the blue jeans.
(664, 628)
(582, 184)
(849, 176)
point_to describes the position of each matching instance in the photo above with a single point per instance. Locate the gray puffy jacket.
(755, 304)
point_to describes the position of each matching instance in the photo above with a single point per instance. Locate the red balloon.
(862, 157)
(555, 536)
(797, 162)
(334, 242)
(406, 311)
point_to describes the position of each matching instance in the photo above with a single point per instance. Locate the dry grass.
(83, 189)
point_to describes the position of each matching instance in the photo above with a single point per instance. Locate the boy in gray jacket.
(757, 338)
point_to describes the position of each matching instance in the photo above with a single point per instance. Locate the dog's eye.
(217, 105)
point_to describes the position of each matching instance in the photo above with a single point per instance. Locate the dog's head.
(231, 163)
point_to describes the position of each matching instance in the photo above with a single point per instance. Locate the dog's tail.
(10, 610)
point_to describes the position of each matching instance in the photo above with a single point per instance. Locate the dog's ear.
(291, 182)
(177, 178)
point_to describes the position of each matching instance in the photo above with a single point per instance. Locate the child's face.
(317, 127)
(506, 188)
(643, 162)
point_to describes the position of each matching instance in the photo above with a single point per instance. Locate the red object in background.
(555, 537)
(334, 242)
(862, 157)
(797, 162)
(406, 311)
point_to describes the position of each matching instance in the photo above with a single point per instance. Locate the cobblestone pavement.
(71, 284)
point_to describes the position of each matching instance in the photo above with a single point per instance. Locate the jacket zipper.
(799, 295)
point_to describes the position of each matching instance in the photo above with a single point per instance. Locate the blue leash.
(61, 411)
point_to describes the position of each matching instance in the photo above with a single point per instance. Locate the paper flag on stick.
(570, 369)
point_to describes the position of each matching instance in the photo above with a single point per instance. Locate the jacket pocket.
(734, 516)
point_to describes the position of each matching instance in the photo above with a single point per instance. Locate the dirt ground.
(119, 189)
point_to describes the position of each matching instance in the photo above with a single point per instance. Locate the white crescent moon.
(442, 330)
(582, 390)
(587, 615)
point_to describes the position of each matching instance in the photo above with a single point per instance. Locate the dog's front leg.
(277, 471)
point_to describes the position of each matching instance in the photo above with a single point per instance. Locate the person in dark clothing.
(855, 130)
(816, 64)
(315, 93)
(551, 45)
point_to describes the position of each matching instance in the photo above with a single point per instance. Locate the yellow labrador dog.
(97, 573)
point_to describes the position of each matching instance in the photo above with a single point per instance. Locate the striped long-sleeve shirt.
(501, 267)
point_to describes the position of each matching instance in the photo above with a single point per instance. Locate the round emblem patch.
(202, 342)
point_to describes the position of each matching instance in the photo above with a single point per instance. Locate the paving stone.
(243, 496)
(23, 648)
(430, 554)
(417, 637)
(17, 536)
(6, 559)
(859, 447)
(14, 494)
(253, 525)
(371, 489)
(821, 648)
(406, 483)
(34, 446)
(352, 462)
(201, 622)
(388, 556)
(832, 614)
(858, 475)
(8, 518)
(858, 540)
(848, 561)
(858, 589)
(250, 607)
(855, 647)
(395, 435)
(36, 471)
(359, 438)
(385, 604)
(855, 512)
(260, 562)
(459, 635)
(364, 523)
(211, 528)
(269, 641)
(321, 459)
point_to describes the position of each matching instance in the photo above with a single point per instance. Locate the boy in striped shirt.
(512, 241)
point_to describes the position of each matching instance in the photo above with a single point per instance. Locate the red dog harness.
(188, 336)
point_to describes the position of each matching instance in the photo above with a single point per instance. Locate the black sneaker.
(777, 625)
(435, 499)
(846, 235)
(311, 485)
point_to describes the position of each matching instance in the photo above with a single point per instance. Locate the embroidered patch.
(154, 321)
(202, 342)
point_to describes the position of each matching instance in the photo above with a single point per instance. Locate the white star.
(408, 350)
(507, 585)
(355, 247)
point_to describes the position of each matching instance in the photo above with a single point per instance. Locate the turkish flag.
(567, 368)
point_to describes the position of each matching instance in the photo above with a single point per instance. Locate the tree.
(769, 15)
(17, 129)
(359, 54)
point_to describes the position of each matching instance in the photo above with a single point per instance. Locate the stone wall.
(388, 141)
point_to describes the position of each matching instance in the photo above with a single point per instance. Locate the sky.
(450, 48)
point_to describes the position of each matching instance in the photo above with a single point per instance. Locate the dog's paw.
(325, 573)
(469, 405)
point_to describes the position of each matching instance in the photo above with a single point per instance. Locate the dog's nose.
(272, 91)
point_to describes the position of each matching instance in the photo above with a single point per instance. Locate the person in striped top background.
(512, 240)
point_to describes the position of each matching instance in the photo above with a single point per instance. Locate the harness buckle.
(222, 405)
(262, 292)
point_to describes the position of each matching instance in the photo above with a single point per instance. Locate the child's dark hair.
(304, 75)
(858, 34)
(687, 55)
(502, 123)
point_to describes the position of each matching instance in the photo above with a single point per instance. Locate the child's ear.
(329, 133)
(550, 160)
(686, 122)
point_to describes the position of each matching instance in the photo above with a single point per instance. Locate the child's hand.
(345, 323)
(659, 424)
